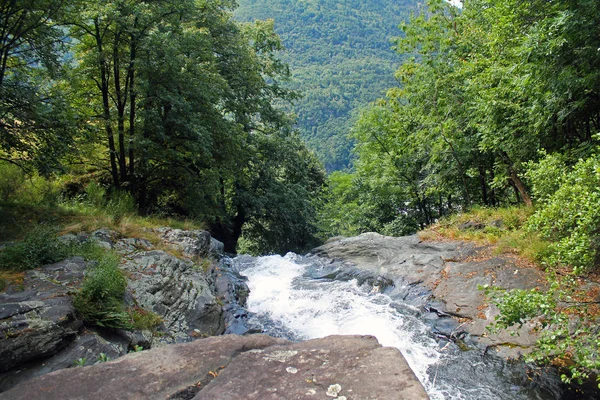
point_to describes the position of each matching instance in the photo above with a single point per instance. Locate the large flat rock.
(239, 367)
(450, 273)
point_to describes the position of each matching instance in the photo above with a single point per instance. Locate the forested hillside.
(341, 58)
(499, 107)
(167, 106)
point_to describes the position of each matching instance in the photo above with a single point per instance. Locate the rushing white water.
(291, 303)
(313, 309)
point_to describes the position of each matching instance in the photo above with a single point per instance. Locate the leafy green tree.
(34, 118)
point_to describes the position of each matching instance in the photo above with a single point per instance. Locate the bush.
(96, 194)
(40, 246)
(100, 300)
(570, 217)
(18, 187)
(568, 337)
(546, 176)
(12, 179)
(121, 204)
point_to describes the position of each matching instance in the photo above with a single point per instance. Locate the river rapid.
(304, 297)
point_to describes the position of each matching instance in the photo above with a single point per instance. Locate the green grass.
(504, 230)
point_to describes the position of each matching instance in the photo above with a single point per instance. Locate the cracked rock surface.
(40, 330)
(445, 274)
(239, 367)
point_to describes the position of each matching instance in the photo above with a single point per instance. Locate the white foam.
(313, 309)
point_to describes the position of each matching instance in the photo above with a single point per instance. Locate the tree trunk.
(132, 105)
(121, 100)
(106, 106)
(520, 187)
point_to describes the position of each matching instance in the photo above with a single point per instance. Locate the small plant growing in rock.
(144, 320)
(80, 362)
(102, 358)
(100, 300)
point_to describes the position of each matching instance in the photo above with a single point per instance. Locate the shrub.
(121, 204)
(570, 217)
(12, 179)
(18, 187)
(96, 194)
(546, 176)
(100, 300)
(40, 246)
(568, 337)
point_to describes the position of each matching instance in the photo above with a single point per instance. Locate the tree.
(34, 118)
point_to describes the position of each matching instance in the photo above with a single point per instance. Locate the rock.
(105, 237)
(426, 271)
(239, 367)
(129, 245)
(216, 247)
(40, 330)
(191, 243)
(471, 225)
(86, 347)
(404, 260)
(232, 291)
(39, 320)
(177, 290)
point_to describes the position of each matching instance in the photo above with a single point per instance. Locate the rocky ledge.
(442, 278)
(40, 330)
(239, 367)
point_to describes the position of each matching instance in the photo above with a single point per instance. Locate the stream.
(306, 297)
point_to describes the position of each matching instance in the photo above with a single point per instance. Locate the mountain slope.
(341, 58)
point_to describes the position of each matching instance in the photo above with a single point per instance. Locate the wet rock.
(40, 319)
(404, 260)
(232, 290)
(426, 271)
(239, 367)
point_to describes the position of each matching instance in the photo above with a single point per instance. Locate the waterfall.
(296, 298)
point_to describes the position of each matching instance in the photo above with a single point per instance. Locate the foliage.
(169, 108)
(568, 336)
(100, 300)
(490, 90)
(341, 59)
(569, 216)
(80, 362)
(16, 186)
(35, 120)
(41, 246)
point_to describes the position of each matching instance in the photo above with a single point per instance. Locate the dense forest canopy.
(341, 58)
(172, 103)
(498, 104)
(491, 89)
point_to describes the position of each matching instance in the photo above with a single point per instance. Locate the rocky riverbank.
(197, 294)
(40, 330)
(443, 277)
